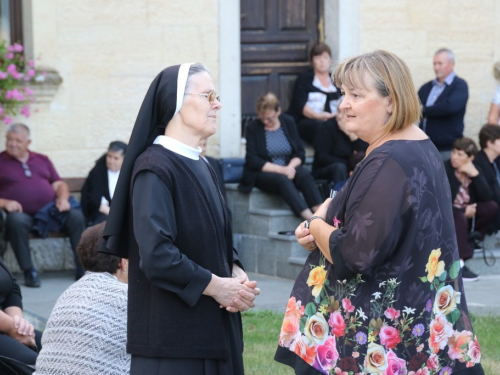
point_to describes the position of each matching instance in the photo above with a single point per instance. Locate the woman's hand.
(324, 116)
(469, 169)
(470, 210)
(233, 294)
(289, 172)
(305, 238)
(22, 331)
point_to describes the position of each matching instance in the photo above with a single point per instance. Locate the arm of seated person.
(310, 113)
(494, 114)
(62, 195)
(14, 325)
(11, 205)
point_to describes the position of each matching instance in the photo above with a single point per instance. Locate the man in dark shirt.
(444, 100)
(28, 182)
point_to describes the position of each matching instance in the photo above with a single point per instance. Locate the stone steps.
(258, 216)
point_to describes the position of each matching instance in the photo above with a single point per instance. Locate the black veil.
(162, 101)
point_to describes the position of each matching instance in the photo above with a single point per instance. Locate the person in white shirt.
(99, 187)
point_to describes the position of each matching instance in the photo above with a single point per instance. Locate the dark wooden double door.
(276, 36)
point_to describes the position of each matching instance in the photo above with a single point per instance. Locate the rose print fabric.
(392, 303)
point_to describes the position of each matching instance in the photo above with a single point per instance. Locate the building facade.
(108, 52)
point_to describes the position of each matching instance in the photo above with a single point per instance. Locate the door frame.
(339, 25)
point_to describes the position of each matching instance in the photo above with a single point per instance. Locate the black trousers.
(486, 213)
(277, 183)
(12, 348)
(334, 172)
(18, 227)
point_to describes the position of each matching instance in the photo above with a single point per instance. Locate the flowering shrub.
(15, 73)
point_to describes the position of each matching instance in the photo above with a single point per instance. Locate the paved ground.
(483, 296)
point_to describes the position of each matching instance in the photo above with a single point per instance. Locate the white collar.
(178, 147)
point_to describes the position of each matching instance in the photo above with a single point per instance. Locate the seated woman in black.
(315, 98)
(18, 339)
(333, 146)
(274, 157)
(471, 197)
(100, 184)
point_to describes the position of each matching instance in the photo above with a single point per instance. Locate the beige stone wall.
(107, 53)
(415, 29)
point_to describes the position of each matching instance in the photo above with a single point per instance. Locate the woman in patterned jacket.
(381, 292)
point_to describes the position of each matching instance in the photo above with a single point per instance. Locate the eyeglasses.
(211, 96)
(27, 171)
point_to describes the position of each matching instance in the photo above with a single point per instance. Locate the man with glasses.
(29, 183)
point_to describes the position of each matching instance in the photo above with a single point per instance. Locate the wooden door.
(276, 36)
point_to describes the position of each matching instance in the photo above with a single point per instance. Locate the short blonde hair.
(266, 102)
(391, 77)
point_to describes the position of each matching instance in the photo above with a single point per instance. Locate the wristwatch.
(308, 221)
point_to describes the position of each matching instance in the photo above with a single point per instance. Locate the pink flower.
(28, 91)
(420, 348)
(9, 56)
(392, 313)
(340, 372)
(7, 120)
(10, 48)
(474, 351)
(433, 362)
(12, 70)
(289, 328)
(25, 110)
(326, 356)
(395, 365)
(1, 110)
(458, 344)
(389, 337)
(337, 323)
(3, 75)
(31, 72)
(18, 48)
(346, 304)
(440, 331)
(422, 371)
(31, 63)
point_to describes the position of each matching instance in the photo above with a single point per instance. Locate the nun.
(187, 286)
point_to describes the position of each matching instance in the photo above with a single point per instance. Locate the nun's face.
(196, 111)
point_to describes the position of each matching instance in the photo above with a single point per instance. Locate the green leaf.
(449, 318)
(455, 315)
(443, 276)
(432, 286)
(454, 269)
(317, 299)
(310, 309)
(423, 278)
(440, 286)
(327, 282)
(303, 321)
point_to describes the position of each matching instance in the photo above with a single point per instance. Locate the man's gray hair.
(18, 127)
(449, 53)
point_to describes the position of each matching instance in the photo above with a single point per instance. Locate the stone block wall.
(415, 29)
(107, 53)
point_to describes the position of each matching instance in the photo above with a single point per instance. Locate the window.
(11, 21)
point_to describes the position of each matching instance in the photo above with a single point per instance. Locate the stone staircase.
(259, 216)
(257, 219)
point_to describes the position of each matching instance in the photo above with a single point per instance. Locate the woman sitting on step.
(274, 159)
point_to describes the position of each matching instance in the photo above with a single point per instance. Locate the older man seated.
(30, 187)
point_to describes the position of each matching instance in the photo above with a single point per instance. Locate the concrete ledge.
(301, 261)
(49, 254)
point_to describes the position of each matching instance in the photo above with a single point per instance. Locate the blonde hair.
(266, 102)
(391, 78)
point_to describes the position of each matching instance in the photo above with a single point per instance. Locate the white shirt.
(316, 100)
(112, 181)
(496, 97)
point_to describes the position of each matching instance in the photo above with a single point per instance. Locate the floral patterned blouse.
(392, 302)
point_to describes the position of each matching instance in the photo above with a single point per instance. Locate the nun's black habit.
(169, 219)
